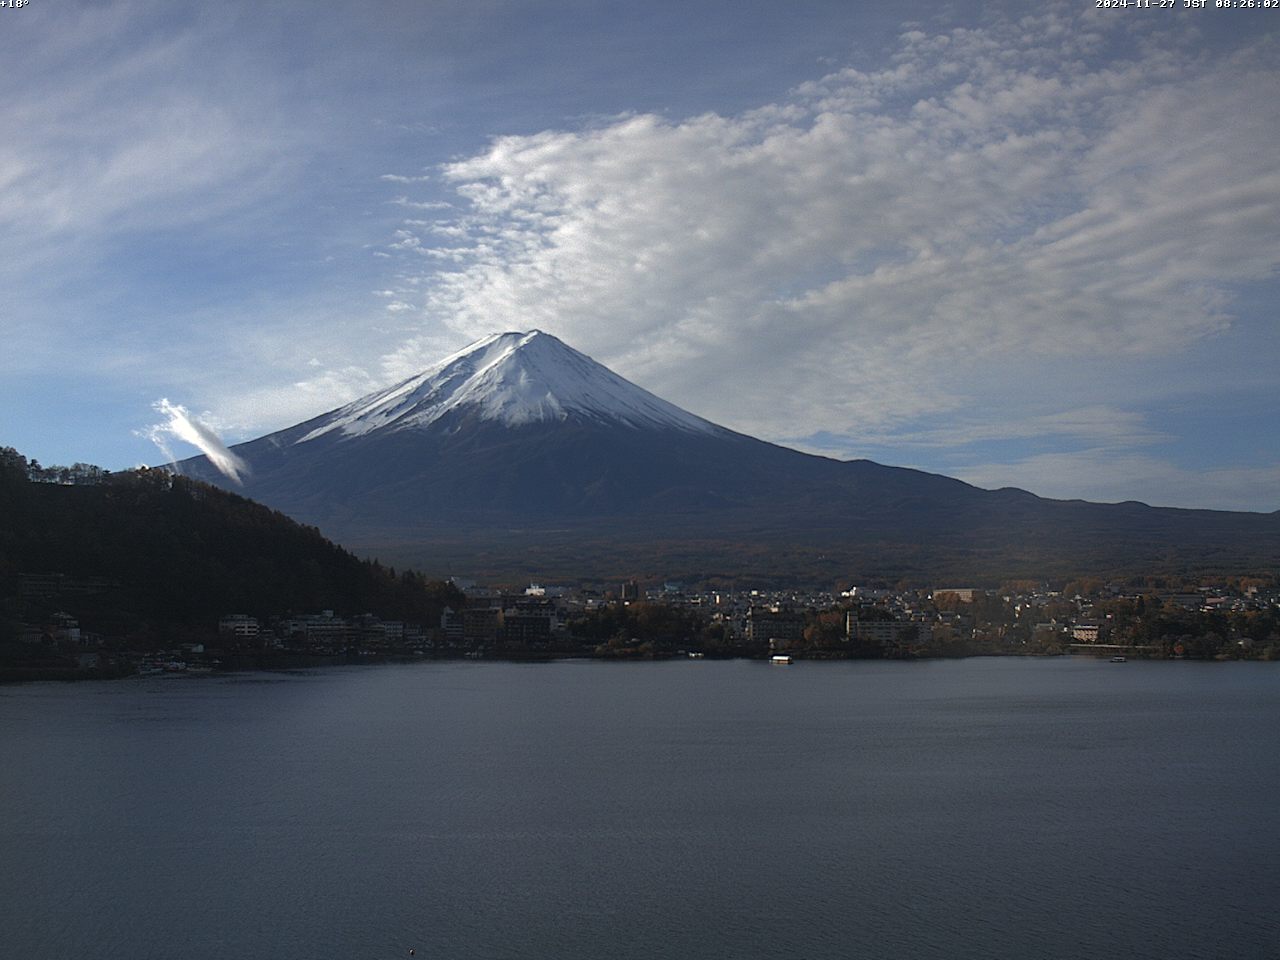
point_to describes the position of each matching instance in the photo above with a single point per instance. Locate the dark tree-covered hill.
(146, 550)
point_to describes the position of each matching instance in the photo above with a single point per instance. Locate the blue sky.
(1030, 245)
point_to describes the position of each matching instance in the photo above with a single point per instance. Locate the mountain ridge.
(522, 444)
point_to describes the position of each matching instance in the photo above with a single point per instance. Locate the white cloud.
(138, 141)
(867, 252)
(421, 204)
(1099, 426)
(182, 425)
(276, 405)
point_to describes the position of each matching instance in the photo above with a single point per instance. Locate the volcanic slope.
(522, 456)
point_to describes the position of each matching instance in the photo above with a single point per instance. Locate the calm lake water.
(1036, 808)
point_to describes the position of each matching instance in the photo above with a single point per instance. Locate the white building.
(239, 625)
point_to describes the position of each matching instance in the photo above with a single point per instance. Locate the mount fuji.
(520, 456)
(515, 379)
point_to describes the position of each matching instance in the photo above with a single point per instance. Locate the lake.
(996, 807)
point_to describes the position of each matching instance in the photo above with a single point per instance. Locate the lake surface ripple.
(1021, 808)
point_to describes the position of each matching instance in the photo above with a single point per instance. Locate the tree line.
(171, 554)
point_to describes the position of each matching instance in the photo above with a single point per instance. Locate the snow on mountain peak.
(512, 378)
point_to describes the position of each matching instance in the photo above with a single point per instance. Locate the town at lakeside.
(146, 572)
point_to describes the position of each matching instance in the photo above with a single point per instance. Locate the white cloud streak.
(182, 425)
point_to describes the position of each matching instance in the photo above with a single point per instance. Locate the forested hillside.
(147, 552)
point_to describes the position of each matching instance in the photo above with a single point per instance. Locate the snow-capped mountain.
(521, 454)
(513, 379)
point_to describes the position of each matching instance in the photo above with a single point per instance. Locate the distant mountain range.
(520, 456)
